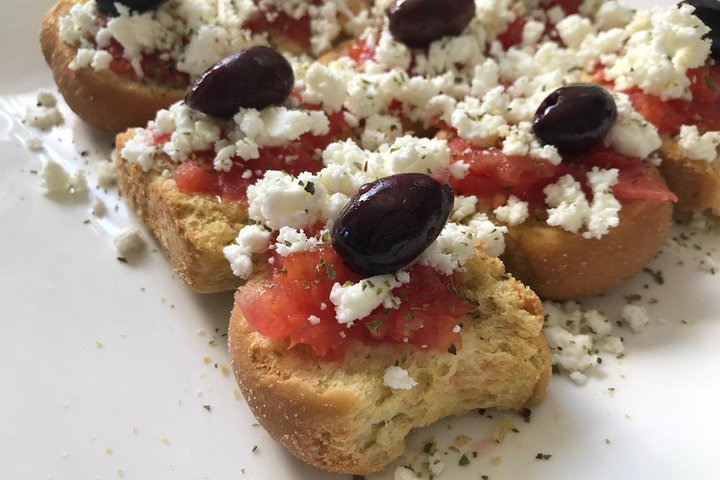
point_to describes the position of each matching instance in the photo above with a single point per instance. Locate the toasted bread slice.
(101, 98)
(192, 229)
(695, 182)
(561, 265)
(338, 415)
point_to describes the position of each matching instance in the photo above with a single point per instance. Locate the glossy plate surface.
(116, 370)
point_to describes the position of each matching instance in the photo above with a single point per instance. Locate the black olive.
(417, 23)
(708, 11)
(388, 223)
(575, 118)
(107, 7)
(254, 78)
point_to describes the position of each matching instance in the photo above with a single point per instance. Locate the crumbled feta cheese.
(128, 242)
(570, 210)
(463, 207)
(631, 135)
(573, 29)
(358, 300)
(250, 240)
(280, 200)
(314, 320)
(491, 236)
(696, 146)
(54, 179)
(404, 473)
(98, 209)
(663, 44)
(513, 213)
(451, 250)
(105, 174)
(44, 114)
(323, 87)
(290, 240)
(398, 378)
(636, 317)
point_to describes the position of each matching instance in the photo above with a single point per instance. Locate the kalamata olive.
(708, 11)
(107, 7)
(575, 118)
(391, 221)
(416, 23)
(254, 78)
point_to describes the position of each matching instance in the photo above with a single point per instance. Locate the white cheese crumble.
(354, 301)
(250, 240)
(513, 213)
(698, 147)
(44, 114)
(398, 378)
(451, 250)
(105, 174)
(570, 209)
(128, 242)
(54, 179)
(576, 336)
(637, 317)
(631, 134)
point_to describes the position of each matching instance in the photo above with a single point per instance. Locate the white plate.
(115, 370)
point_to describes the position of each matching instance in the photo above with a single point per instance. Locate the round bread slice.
(561, 265)
(192, 229)
(695, 182)
(339, 416)
(101, 98)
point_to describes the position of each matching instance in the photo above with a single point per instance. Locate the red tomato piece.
(280, 308)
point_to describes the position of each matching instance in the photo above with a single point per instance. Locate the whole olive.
(253, 78)
(417, 23)
(391, 221)
(107, 7)
(708, 11)
(575, 118)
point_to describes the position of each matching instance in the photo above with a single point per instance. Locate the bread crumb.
(502, 428)
(496, 460)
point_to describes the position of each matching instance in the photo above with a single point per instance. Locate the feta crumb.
(128, 242)
(313, 320)
(251, 239)
(44, 114)
(696, 146)
(579, 378)
(354, 301)
(636, 316)
(398, 378)
(404, 473)
(99, 209)
(451, 250)
(54, 179)
(515, 212)
(105, 174)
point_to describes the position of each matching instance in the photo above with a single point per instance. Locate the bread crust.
(561, 265)
(338, 416)
(695, 182)
(101, 98)
(191, 229)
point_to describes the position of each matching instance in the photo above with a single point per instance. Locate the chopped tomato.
(197, 175)
(494, 176)
(296, 30)
(513, 35)
(569, 6)
(152, 65)
(280, 308)
(702, 110)
(360, 51)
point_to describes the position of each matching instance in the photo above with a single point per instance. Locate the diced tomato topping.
(494, 176)
(668, 116)
(198, 175)
(513, 35)
(360, 51)
(153, 67)
(569, 6)
(296, 30)
(280, 307)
